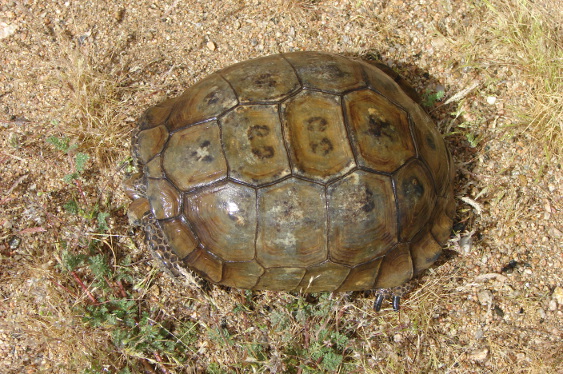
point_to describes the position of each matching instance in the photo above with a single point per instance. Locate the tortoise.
(301, 171)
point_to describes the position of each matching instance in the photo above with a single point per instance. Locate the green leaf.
(80, 161)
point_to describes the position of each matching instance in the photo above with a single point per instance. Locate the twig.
(84, 288)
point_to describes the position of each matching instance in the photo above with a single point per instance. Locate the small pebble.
(479, 354)
(211, 46)
(541, 313)
(558, 295)
(491, 100)
(6, 30)
(485, 297)
(466, 243)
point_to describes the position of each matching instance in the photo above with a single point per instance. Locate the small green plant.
(110, 303)
(429, 98)
(325, 349)
(80, 159)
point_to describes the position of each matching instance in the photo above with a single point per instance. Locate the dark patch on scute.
(265, 80)
(205, 144)
(317, 124)
(413, 188)
(258, 131)
(211, 98)
(430, 142)
(324, 147)
(334, 71)
(263, 151)
(368, 203)
(377, 127)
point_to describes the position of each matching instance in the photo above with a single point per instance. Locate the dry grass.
(527, 35)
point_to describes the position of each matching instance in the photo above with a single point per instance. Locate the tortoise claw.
(396, 303)
(378, 301)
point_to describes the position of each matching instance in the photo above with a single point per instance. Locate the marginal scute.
(224, 218)
(205, 264)
(156, 115)
(326, 72)
(181, 239)
(361, 277)
(315, 132)
(194, 156)
(262, 79)
(291, 224)
(384, 84)
(137, 210)
(151, 142)
(324, 277)
(254, 144)
(380, 130)
(205, 100)
(241, 274)
(164, 198)
(416, 197)
(424, 251)
(154, 168)
(396, 268)
(280, 279)
(448, 203)
(441, 228)
(432, 148)
(362, 218)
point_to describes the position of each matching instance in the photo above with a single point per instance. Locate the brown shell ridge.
(221, 140)
(210, 119)
(397, 216)
(189, 225)
(256, 186)
(283, 130)
(348, 129)
(282, 55)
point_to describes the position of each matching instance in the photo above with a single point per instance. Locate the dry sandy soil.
(79, 292)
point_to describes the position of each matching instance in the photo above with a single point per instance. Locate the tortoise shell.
(299, 171)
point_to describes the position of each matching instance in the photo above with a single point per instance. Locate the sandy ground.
(87, 71)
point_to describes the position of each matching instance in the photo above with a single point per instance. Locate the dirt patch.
(80, 292)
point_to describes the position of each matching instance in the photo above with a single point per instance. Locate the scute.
(362, 218)
(164, 198)
(262, 79)
(241, 274)
(224, 218)
(253, 143)
(326, 72)
(416, 197)
(151, 142)
(205, 100)
(315, 132)
(324, 277)
(194, 156)
(361, 277)
(424, 252)
(182, 240)
(396, 268)
(291, 224)
(280, 279)
(205, 264)
(303, 171)
(380, 129)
